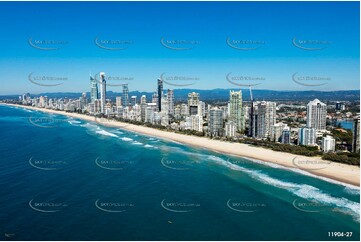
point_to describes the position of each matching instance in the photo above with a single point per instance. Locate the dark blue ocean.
(68, 179)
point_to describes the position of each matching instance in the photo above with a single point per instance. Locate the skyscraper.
(93, 90)
(307, 136)
(160, 94)
(263, 118)
(316, 115)
(170, 95)
(356, 135)
(125, 95)
(215, 124)
(193, 102)
(103, 84)
(236, 110)
(328, 144)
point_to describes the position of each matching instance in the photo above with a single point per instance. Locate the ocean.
(68, 179)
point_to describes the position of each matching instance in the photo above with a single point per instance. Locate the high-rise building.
(184, 109)
(316, 115)
(196, 123)
(170, 96)
(103, 84)
(143, 99)
(236, 110)
(286, 136)
(328, 144)
(276, 131)
(356, 135)
(155, 100)
(160, 94)
(118, 101)
(215, 123)
(133, 100)
(193, 102)
(93, 90)
(307, 136)
(263, 118)
(230, 129)
(125, 96)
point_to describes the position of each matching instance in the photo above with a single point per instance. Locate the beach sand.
(314, 165)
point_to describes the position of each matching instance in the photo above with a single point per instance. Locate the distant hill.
(223, 95)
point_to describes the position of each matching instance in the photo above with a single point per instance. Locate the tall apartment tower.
(236, 109)
(316, 115)
(263, 118)
(160, 94)
(193, 102)
(215, 124)
(125, 96)
(170, 96)
(93, 90)
(103, 90)
(356, 135)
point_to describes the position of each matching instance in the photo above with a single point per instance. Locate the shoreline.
(313, 165)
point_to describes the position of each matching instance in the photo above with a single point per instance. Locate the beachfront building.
(307, 136)
(263, 118)
(235, 109)
(286, 136)
(328, 144)
(356, 135)
(193, 103)
(125, 95)
(196, 123)
(215, 123)
(160, 94)
(103, 91)
(230, 129)
(170, 96)
(276, 131)
(133, 100)
(93, 90)
(316, 115)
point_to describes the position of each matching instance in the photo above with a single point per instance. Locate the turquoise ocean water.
(68, 179)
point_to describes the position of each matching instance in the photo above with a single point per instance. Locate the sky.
(269, 45)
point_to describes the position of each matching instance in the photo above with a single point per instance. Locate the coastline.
(315, 165)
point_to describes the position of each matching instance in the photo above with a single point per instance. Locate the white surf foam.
(301, 190)
(126, 139)
(106, 133)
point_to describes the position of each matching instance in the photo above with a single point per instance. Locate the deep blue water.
(67, 179)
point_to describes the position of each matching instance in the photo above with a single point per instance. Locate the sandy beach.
(314, 165)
